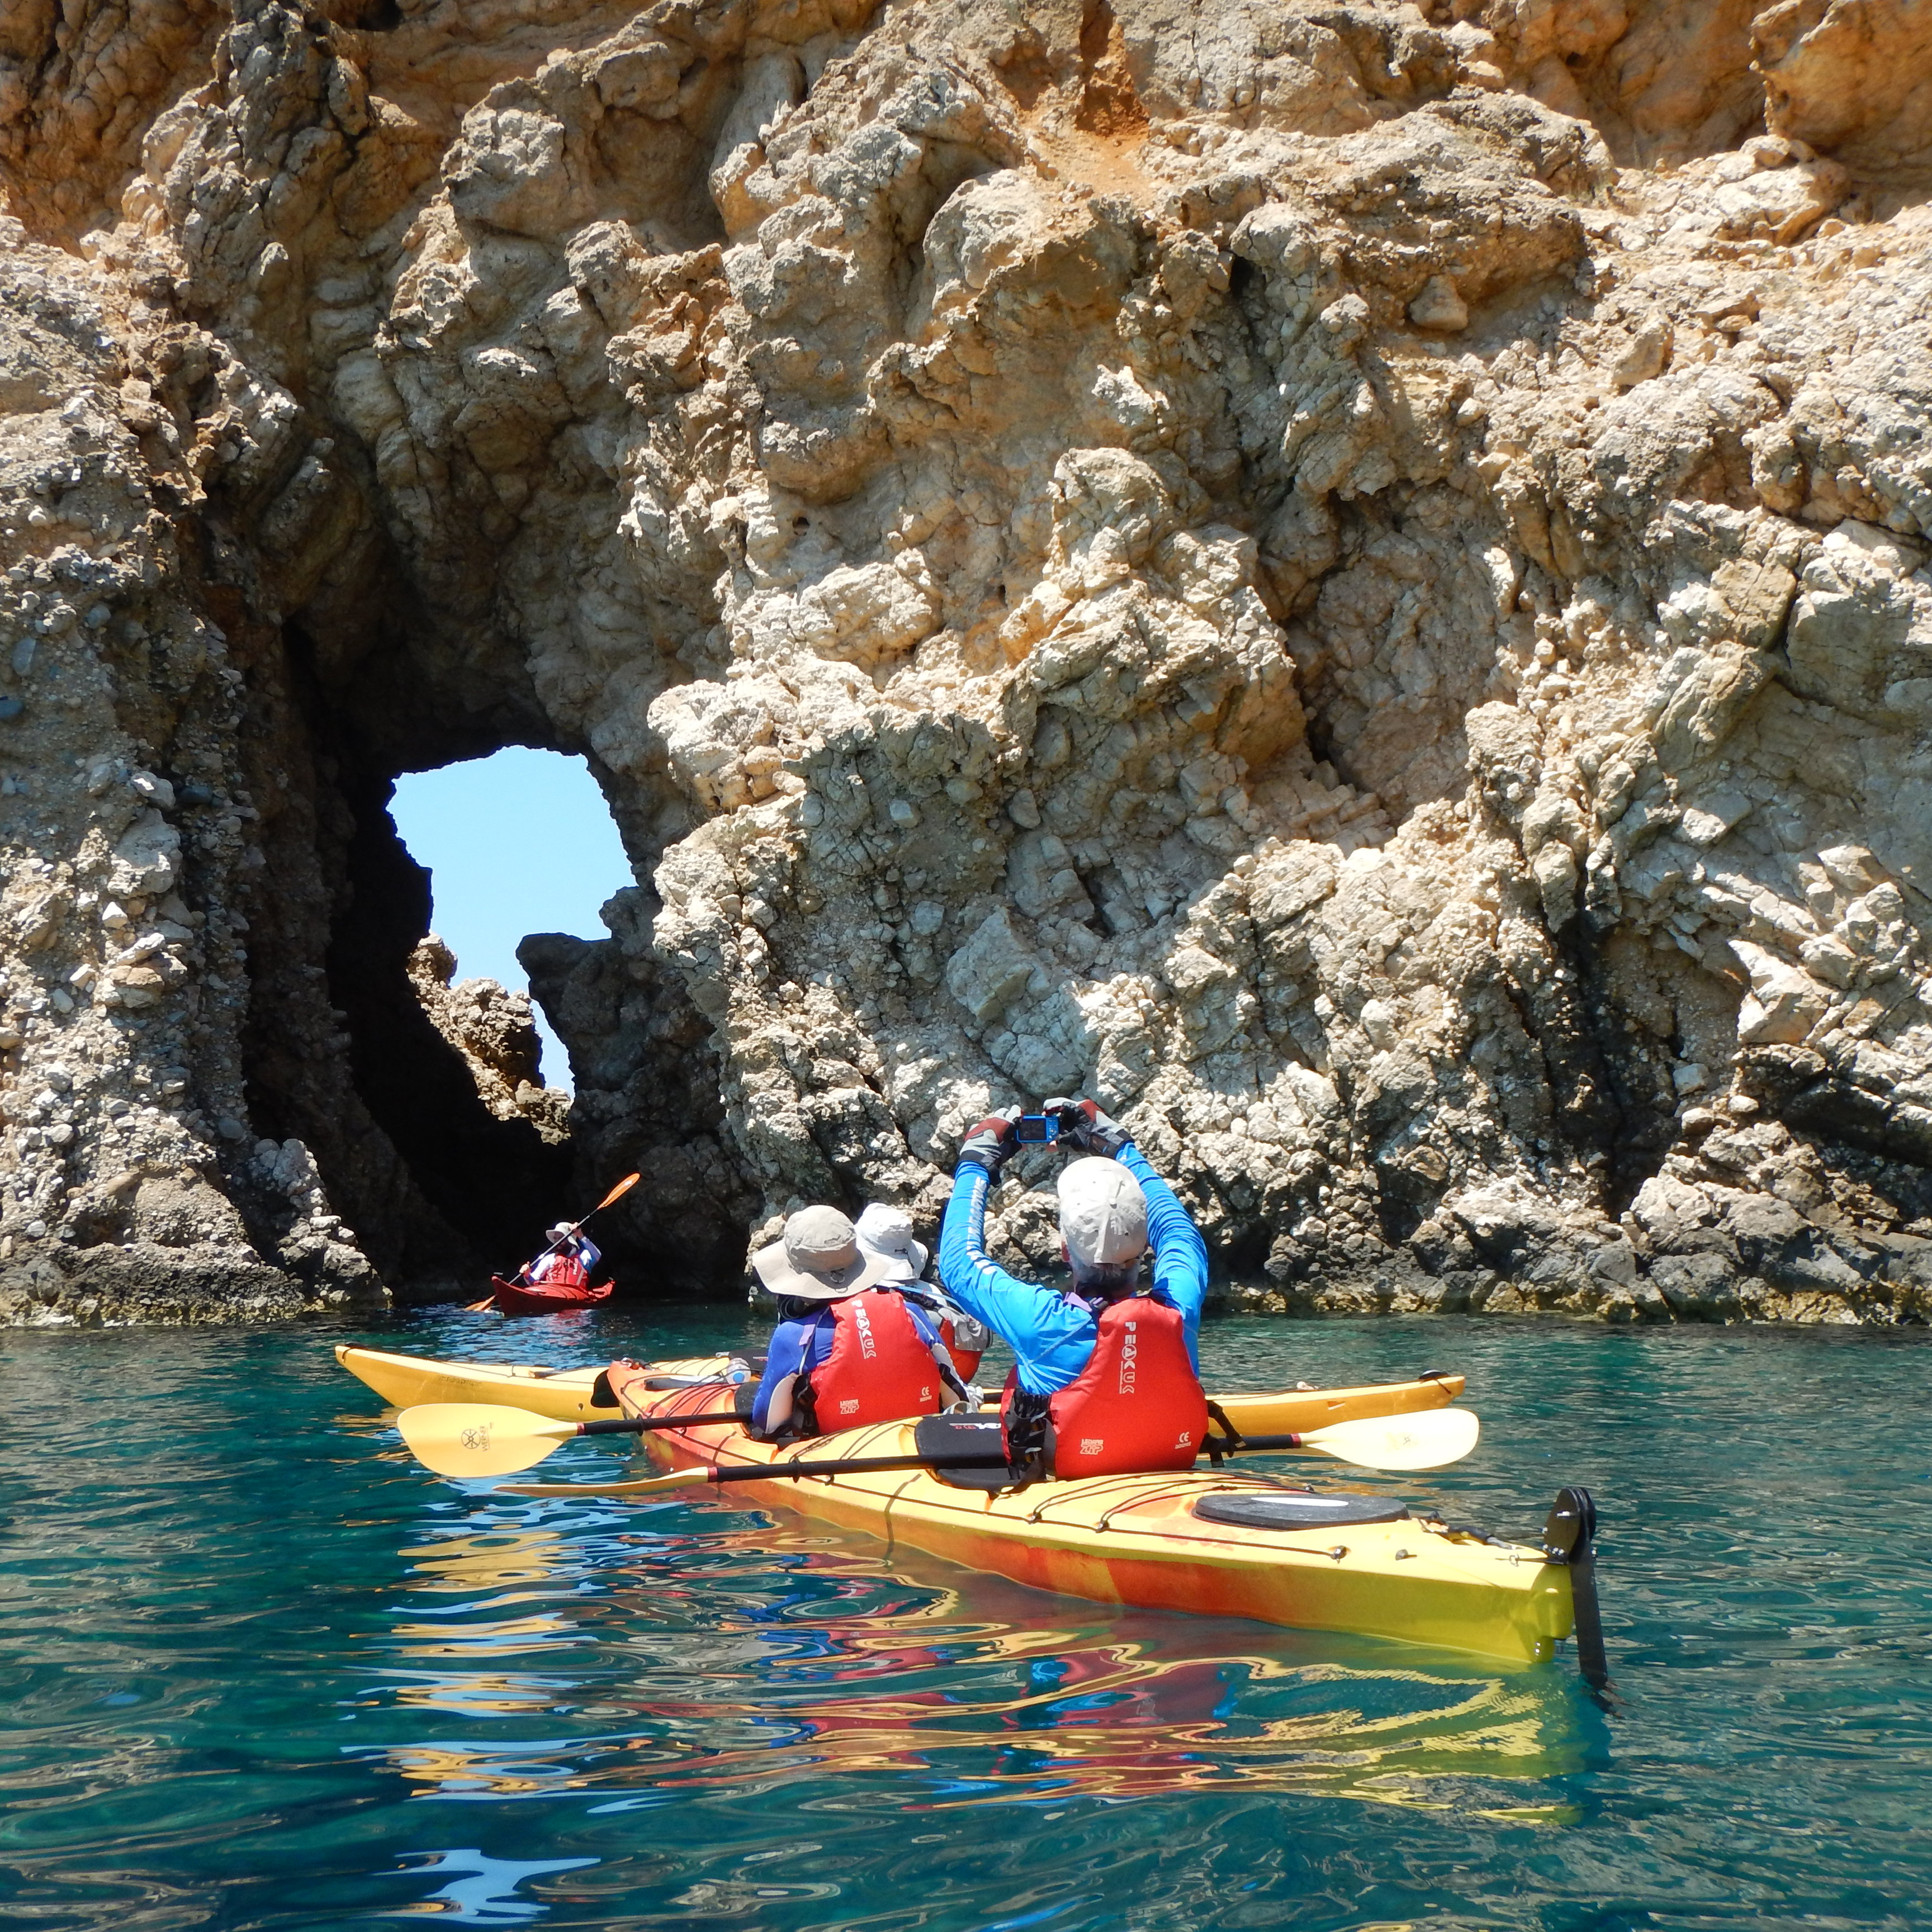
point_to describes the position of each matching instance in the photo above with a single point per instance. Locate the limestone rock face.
(1350, 579)
(495, 1032)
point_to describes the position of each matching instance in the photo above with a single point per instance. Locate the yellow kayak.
(1218, 1542)
(569, 1395)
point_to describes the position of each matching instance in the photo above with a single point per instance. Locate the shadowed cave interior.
(442, 1178)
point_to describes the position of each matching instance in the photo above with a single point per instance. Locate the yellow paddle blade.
(475, 1438)
(642, 1486)
(1429, 1441)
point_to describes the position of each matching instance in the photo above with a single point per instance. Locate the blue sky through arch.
(520, 841)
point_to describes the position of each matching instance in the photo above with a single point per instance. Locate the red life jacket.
(966, 1360)
(560, 1270)
(878, 1370)
(1137, 1406)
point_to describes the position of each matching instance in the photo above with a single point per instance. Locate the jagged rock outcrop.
(495, 1031)
(1352, 579)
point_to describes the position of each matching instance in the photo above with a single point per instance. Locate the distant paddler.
(560, 1275)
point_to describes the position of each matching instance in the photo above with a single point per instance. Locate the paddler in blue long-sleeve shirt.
(1108, 1377)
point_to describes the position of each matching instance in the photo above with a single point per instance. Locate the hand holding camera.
(1081, 1124)
(992, 1142)
(1078, 1124)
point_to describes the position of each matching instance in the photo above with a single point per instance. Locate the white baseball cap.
(818, 1258)
(887, 1231)
(1102, 1212)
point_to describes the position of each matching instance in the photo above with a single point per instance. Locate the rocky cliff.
(1349, 578)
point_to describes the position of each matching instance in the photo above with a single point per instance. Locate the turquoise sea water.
(256, 1669)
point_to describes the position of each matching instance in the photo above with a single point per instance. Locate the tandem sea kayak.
(570, 1395)
(1217, 1543)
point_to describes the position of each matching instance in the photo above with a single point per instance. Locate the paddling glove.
(990, 1143)
(1088, 1128)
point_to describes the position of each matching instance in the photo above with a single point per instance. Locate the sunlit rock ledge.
(1350, 579)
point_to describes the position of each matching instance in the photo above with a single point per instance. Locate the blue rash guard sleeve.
(1051, 1336)
(791, 1351)
(1180, 1254)
(1051, 1333)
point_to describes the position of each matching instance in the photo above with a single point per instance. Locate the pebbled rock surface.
(1353, 579)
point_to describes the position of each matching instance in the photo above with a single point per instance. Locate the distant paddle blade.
(474, 1439)
(642, 1486)
(1430, 1440)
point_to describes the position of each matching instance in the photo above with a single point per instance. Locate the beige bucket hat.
(887, 1231)
(818, 1258)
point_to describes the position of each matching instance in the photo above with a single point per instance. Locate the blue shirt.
(804, 1343)
(1053, 1333)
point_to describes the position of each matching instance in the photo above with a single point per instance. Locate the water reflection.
(724, 1650)
(483, 1890)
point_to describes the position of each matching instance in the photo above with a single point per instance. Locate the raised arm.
(1180, 1255)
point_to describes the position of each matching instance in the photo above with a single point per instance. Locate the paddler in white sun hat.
(1108, 1378)
(851, 1347)
(888, 1231)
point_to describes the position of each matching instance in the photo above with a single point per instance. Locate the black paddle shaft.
(852, 1466)
(631, 1425)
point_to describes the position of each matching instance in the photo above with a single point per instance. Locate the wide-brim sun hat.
(1102, 1213)
(887, 1231)
(818, 1258)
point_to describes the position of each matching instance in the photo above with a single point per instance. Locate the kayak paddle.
(475, 1438)
(480, 1439)
(617, 1193)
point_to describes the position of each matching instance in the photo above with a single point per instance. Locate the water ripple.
(257, 1671)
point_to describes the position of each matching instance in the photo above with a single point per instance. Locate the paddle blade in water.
(1429, 1441)
(642, 1486)
(474, 1439)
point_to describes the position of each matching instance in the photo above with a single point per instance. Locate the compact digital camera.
(1041, 1129)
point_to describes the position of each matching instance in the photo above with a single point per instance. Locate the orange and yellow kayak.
(1218, 1542)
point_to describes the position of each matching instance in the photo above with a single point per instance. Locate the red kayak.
(546, 1297)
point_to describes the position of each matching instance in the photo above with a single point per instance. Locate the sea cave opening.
(448, 870)
(520, 842)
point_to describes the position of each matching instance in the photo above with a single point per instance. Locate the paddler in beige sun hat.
(850, 1347)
